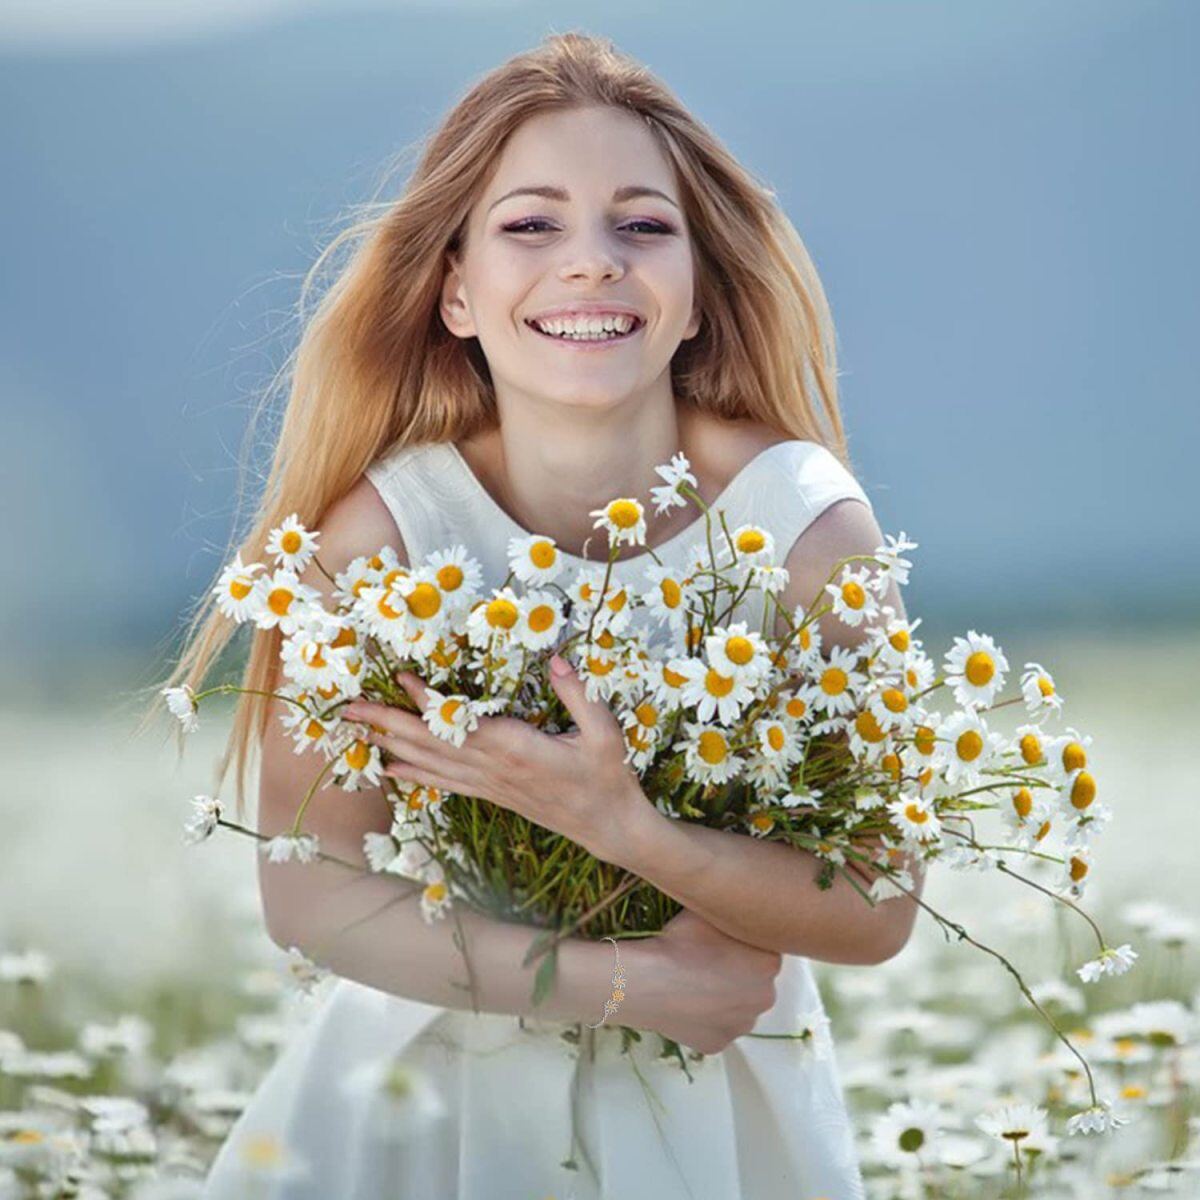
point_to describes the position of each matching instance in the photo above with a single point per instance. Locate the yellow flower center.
(776, 738)
(624, 514)
(925, 739)
(762, 821)
(1031, 748)
(868, 727)
(673, 678)
(424, 601)
(894, 700)
(1022, 802)
(543, 554)
(448, 708)
(314, 729)
(969, 745)
(358, 754)
(717, 684)
(345, 637)
(646, 713)
(672, 593)
(435, 892)
(240, 587)
(290, 542)
(385, 610)
(261, 1150)
(1043, 829)
(750, 541)
(1045, 686)
(501, 613)
(280, 600)
(712, 747)
(26, 1137)
(1073, 757)
(1079, 869)
(804, 638)
(834, 681)
(541, 618)
(980, 668)
(795, 708)
(899, 640)
(853, 594)
(1083, 790)
(891, 764)
(916, 814)
(449, 577)
(739, 650)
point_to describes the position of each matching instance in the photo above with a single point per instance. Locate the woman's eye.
(529, 224)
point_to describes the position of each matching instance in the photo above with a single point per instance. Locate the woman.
(577, 283)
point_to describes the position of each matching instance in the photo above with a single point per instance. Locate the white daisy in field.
(1097, 1118)
(890, 706)
(356, 761)
(893, 638)
(457, 575)
(1038, 690)
(358, 574)
(535, 559)
(759, 818)
(805, 648)
(778, 740)
(975, 670)
(915, 819)
(311, 731)
(739, 652)
(707, 753)
(869, 742)
(380, 850)
(181, 701)
(541, 620)
(643, 725)
(286, 601)
(27, 966)
(852, 597)
(791, 706)
(1067, 754)
(667, 681)
(1078, 793)
(711, 692)
(239, 594)
(754, 546)
(206, 813)
(918, 672)
(308, 655)
(383, 613)
(1110, 962)
(907, 1132)
(403, 1102)
(292, 545)
(624, 520)
(676, 472)
(892, 567)
(286, 847)
(1013, 1123)
(265, 1156)
(1024, 812)
(1162, 1023)
(424, 599)
(838, 683)
(966, 748)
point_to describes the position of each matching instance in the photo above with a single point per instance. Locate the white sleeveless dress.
(763, 1120)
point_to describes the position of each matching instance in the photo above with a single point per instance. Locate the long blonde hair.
(375, 368)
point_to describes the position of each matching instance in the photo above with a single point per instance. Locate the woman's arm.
(764, 892)
(368, 926)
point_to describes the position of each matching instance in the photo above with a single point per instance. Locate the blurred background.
(1000, 200)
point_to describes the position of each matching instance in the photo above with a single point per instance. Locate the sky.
(1000, 200)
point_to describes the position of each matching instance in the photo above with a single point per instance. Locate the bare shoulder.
(720, 447)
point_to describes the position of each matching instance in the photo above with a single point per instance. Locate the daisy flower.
(643, 725)
(1038, 690)
(357, 761)
(292, 545)
(890, 707)
(853, 599)
(891, 565)
(1098, 1118)
(435, 899)
(667, 495)
(535, 560)
(1110, 962)
(1029, 744)
(838, 683)
(1013, 1123)
(303, 848)
(206, 813)
(710, 691)
(707, 753)
(1067, 754)
(665, 596)
(966, 748)
(285, 601)
(380, 850)
(815, 1036)
(778, 740)
(738, 652)
(754, 545)
(914, 818)
(452, 717)
(975, 668)
(893, 639)
(1074, 871)
(541, 620)
(239, 595)
(907, 1133)
(182, 703)
(623, 519)
(458, 576)
(493, 619)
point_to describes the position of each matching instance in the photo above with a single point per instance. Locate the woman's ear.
(456, 316)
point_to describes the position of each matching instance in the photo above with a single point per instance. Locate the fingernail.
(558, 665)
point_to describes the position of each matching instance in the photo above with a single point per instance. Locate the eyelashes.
(524, 226)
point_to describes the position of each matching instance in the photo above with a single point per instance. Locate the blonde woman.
(577, 282)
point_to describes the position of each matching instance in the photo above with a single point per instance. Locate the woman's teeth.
(605, 329)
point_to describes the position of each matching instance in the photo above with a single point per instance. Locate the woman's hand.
(576, 784)
(713, 987)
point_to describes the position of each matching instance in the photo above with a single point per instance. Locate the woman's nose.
(592, 258)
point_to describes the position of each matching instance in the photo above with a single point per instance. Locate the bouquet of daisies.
(868, 754)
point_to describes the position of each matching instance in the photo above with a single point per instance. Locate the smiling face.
(606, 232)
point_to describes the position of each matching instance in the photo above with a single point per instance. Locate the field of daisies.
(141, 1000)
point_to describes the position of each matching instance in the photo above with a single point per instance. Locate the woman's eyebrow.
(547, 192)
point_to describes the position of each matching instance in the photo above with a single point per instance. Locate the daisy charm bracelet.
(618, 982)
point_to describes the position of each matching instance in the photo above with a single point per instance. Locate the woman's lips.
(589, 343)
